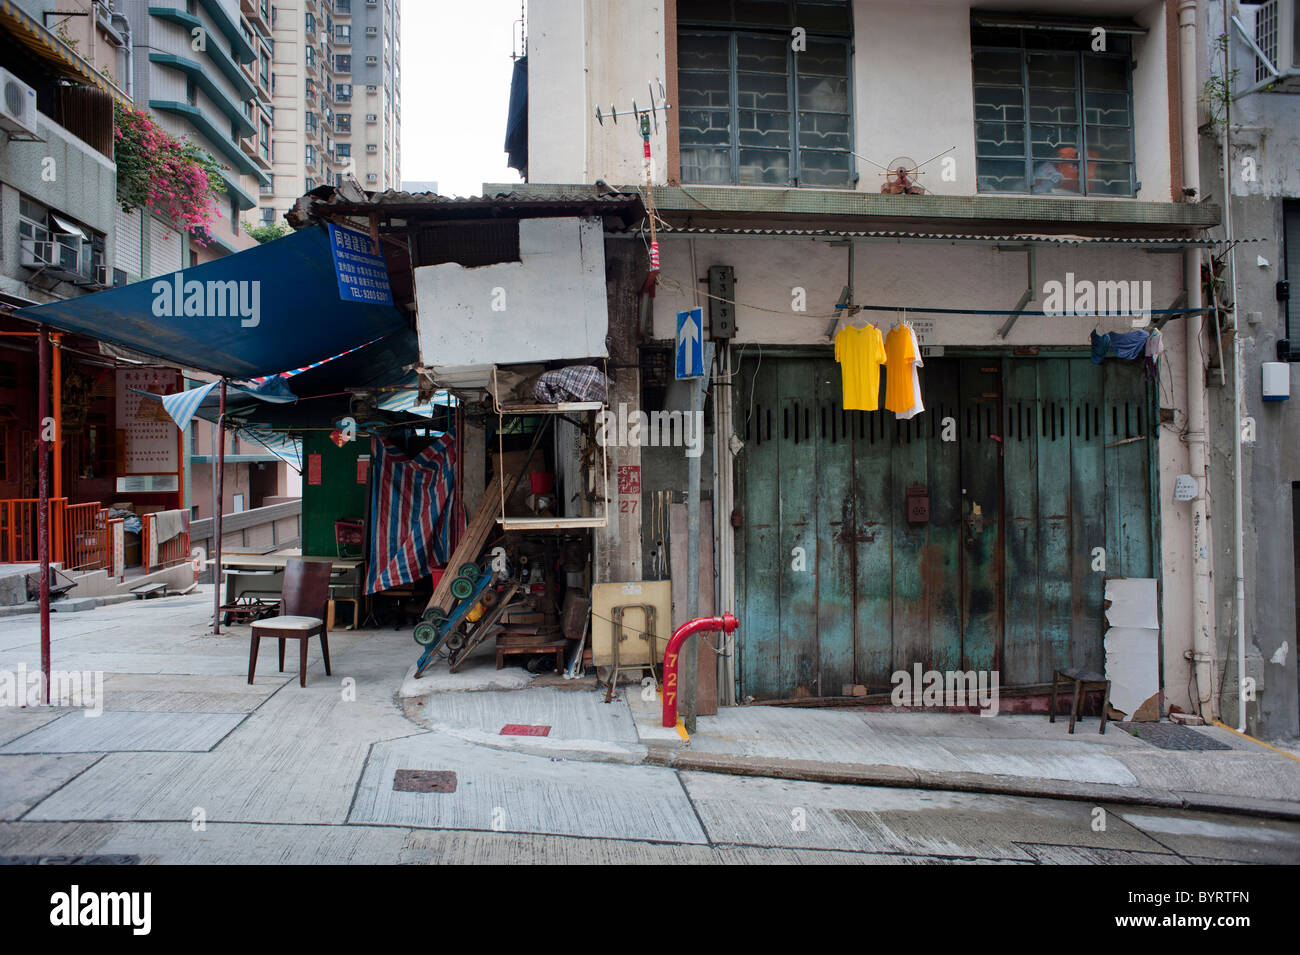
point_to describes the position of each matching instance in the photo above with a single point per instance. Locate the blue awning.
(258, 312)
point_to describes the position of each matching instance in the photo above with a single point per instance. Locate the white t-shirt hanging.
(917, 407)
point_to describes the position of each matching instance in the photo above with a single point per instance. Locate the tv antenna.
(646, 118)
(652, 111)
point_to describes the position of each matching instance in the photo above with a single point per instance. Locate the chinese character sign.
(151, 436)
(359, 264)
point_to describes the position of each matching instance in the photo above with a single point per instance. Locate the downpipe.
(1202, 638)
(727, 623)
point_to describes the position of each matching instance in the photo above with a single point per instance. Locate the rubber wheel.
(462, 587)
(489, 598)
(434, 615)
(469, 570)
(425, 633)
(455, 641)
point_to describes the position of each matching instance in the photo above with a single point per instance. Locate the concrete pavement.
(189, 763)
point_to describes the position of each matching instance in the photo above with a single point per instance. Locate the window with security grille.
(756, 107)
(1052, 115)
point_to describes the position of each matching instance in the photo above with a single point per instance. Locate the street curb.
(899, 777)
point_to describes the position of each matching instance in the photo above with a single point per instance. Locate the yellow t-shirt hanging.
(860, 352)
(900, 353)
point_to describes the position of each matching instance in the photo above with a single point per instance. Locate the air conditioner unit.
(372, 31)
(17, 108)
(372, 148)
(38, 253)
(372, 60)
(372, 117)
(372, 89)
(1268, 47)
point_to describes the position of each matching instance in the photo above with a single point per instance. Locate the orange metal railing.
(78, 533)
(163, 553)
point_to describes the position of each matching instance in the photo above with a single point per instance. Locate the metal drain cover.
(1172, 736)
(424, 781)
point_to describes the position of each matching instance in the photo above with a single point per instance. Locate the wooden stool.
(1083, 681)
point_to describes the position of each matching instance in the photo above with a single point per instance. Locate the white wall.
(912, 62)
(558, 119)
(550, 305)
(912, 88)
(940, 275)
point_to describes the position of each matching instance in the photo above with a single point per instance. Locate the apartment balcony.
(218, 137)
(223, 61)
(196, 74)
(258, 13)
(253, 150)
(176, 12)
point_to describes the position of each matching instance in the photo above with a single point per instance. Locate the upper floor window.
(752, 109)
(1053, 116)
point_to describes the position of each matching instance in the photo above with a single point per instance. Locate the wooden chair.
(302, 615)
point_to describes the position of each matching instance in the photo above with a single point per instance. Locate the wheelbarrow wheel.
(470, 570)
(455, 641)
(425, 633)
(434, 615)
(489, 598)
(462, 587)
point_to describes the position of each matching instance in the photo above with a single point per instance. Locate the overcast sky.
(456, 70)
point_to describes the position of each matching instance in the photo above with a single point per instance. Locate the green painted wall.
(337, 496)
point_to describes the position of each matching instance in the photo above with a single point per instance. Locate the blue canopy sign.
(257, 312)
(362, 274)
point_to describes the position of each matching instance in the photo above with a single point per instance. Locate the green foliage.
(172, 178)
(266, 231)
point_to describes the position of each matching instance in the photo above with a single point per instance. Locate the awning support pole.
(218, 482)
(43, 502)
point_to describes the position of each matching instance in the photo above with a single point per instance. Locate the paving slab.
(26, 780)
(119, 732)
(53, 838)
(833, 736)
(427, 847)
(16, 721)
(580, 724)
(1258, 772)
(187, 692)
(756, 811)
(514, 792)
(1204, 835)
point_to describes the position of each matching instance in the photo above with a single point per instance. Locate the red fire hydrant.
(727, 623)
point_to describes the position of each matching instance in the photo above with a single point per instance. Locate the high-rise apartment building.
(202, 69)
(337, 100)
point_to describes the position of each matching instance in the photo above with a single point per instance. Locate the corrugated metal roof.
(625, 206)
(802, 203)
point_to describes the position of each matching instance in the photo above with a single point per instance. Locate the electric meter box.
(1277, 380)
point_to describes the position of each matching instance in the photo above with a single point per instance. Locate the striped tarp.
(412, 511)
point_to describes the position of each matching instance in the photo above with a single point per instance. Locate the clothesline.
(841, 309)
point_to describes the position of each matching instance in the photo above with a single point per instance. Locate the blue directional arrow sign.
(690, 344)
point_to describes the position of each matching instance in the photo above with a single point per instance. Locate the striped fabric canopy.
(412, 510)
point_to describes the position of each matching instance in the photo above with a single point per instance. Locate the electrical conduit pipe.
(727, 623)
